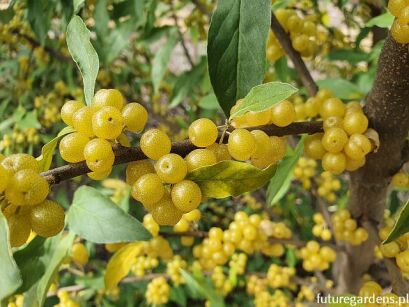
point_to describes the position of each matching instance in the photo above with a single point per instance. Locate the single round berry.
(137, 169)
(334, 162)
(155, 144)
(203, 132)
(279, 146)
(400, 180)
(99, 155)
(283, 114)
(333, 122)
(353, 165)
(27, 188)
(334, 140)
(47, 219)
(148, 190)
(332, 107)
(186, 195)
(397, 6)
(400, 32)
(108, 97)
(263, 155)
(17, 162)
(313, 147)
(165, 212)
(19, 228)
(79, 254)
(355, 123)
(100, 175)
(107, 123)
(72, 147)
(200, 158)
(135, 117)
(358, 146)
(68, 110)
(220, 151)
(241, 144)
(82, 121)
(171, 168)
(257, 118)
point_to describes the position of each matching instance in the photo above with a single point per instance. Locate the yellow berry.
(186, 195)
(68, 110)
(332, 107)
(18, 162)
(148, 190)
(79, 254)
(137, 169)
(100, 175)
(220, 151)
(155, 144)
(313, 147)
(99, 155)
(203, 132)
(200, 158)
(400, 180)
(107, 123)
(82, 121)
(171, 168)
(334, 162)
(283, 114)
(72, 147)
(396, 6)
(358, 146)
(334, 140)
(19, 228)
(108, 97)
(355, 123)
(241, 144)
(400, 32)
(47, 219)
(135, 117)
(166, 213)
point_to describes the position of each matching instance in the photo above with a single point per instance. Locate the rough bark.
(387, 108)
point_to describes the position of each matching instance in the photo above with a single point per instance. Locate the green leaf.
(281, 181)
(39, 16)
(46, 157)
(401, 225)
(230, 178)
(341, 88)
(353, 56)
(178, 295)
(84, 54)
(280, 4)
(10, 278)
(209, 102)
(57, 250)
(383, 21)
(187, 82)
(78, 4)
(96, 218)
(263, 97)
(199, 285)
(161, 60)
(237, 48)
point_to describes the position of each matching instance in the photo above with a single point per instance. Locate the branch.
(295, 57)
(182, 41)
(126, 155)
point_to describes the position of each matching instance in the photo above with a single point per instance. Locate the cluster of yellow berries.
(187, 222)
(255, 284)
(316, 257)
(306, 293)
(277, 299)
(238, 263)
(346, 228)
(246, 233)
(304, 171)
(279, 276)
(142, 264)
(221, 281)
(343, 145)
(173, 269)
(158, 291)
(303, 33)
(400, 180)
(19, 139)
(321, 229)
(400, 27)
(328, 185)
(23, 193)
(97, 127)
(17, 23)
(398, 249)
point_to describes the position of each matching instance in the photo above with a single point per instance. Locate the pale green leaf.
(341, 88)
(10, 278)
(84, 54)
(230, 178)
(263, 97)
(96, 218)
(401, 225)
(383, 21)
(46, 157)
(209, 102)
(281, 181)
(78, 4)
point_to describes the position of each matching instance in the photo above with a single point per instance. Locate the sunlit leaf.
(401, 225)
(230, 178)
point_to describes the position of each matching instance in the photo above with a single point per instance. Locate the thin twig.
(182, 41)
(295, 57)
(126, 155)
